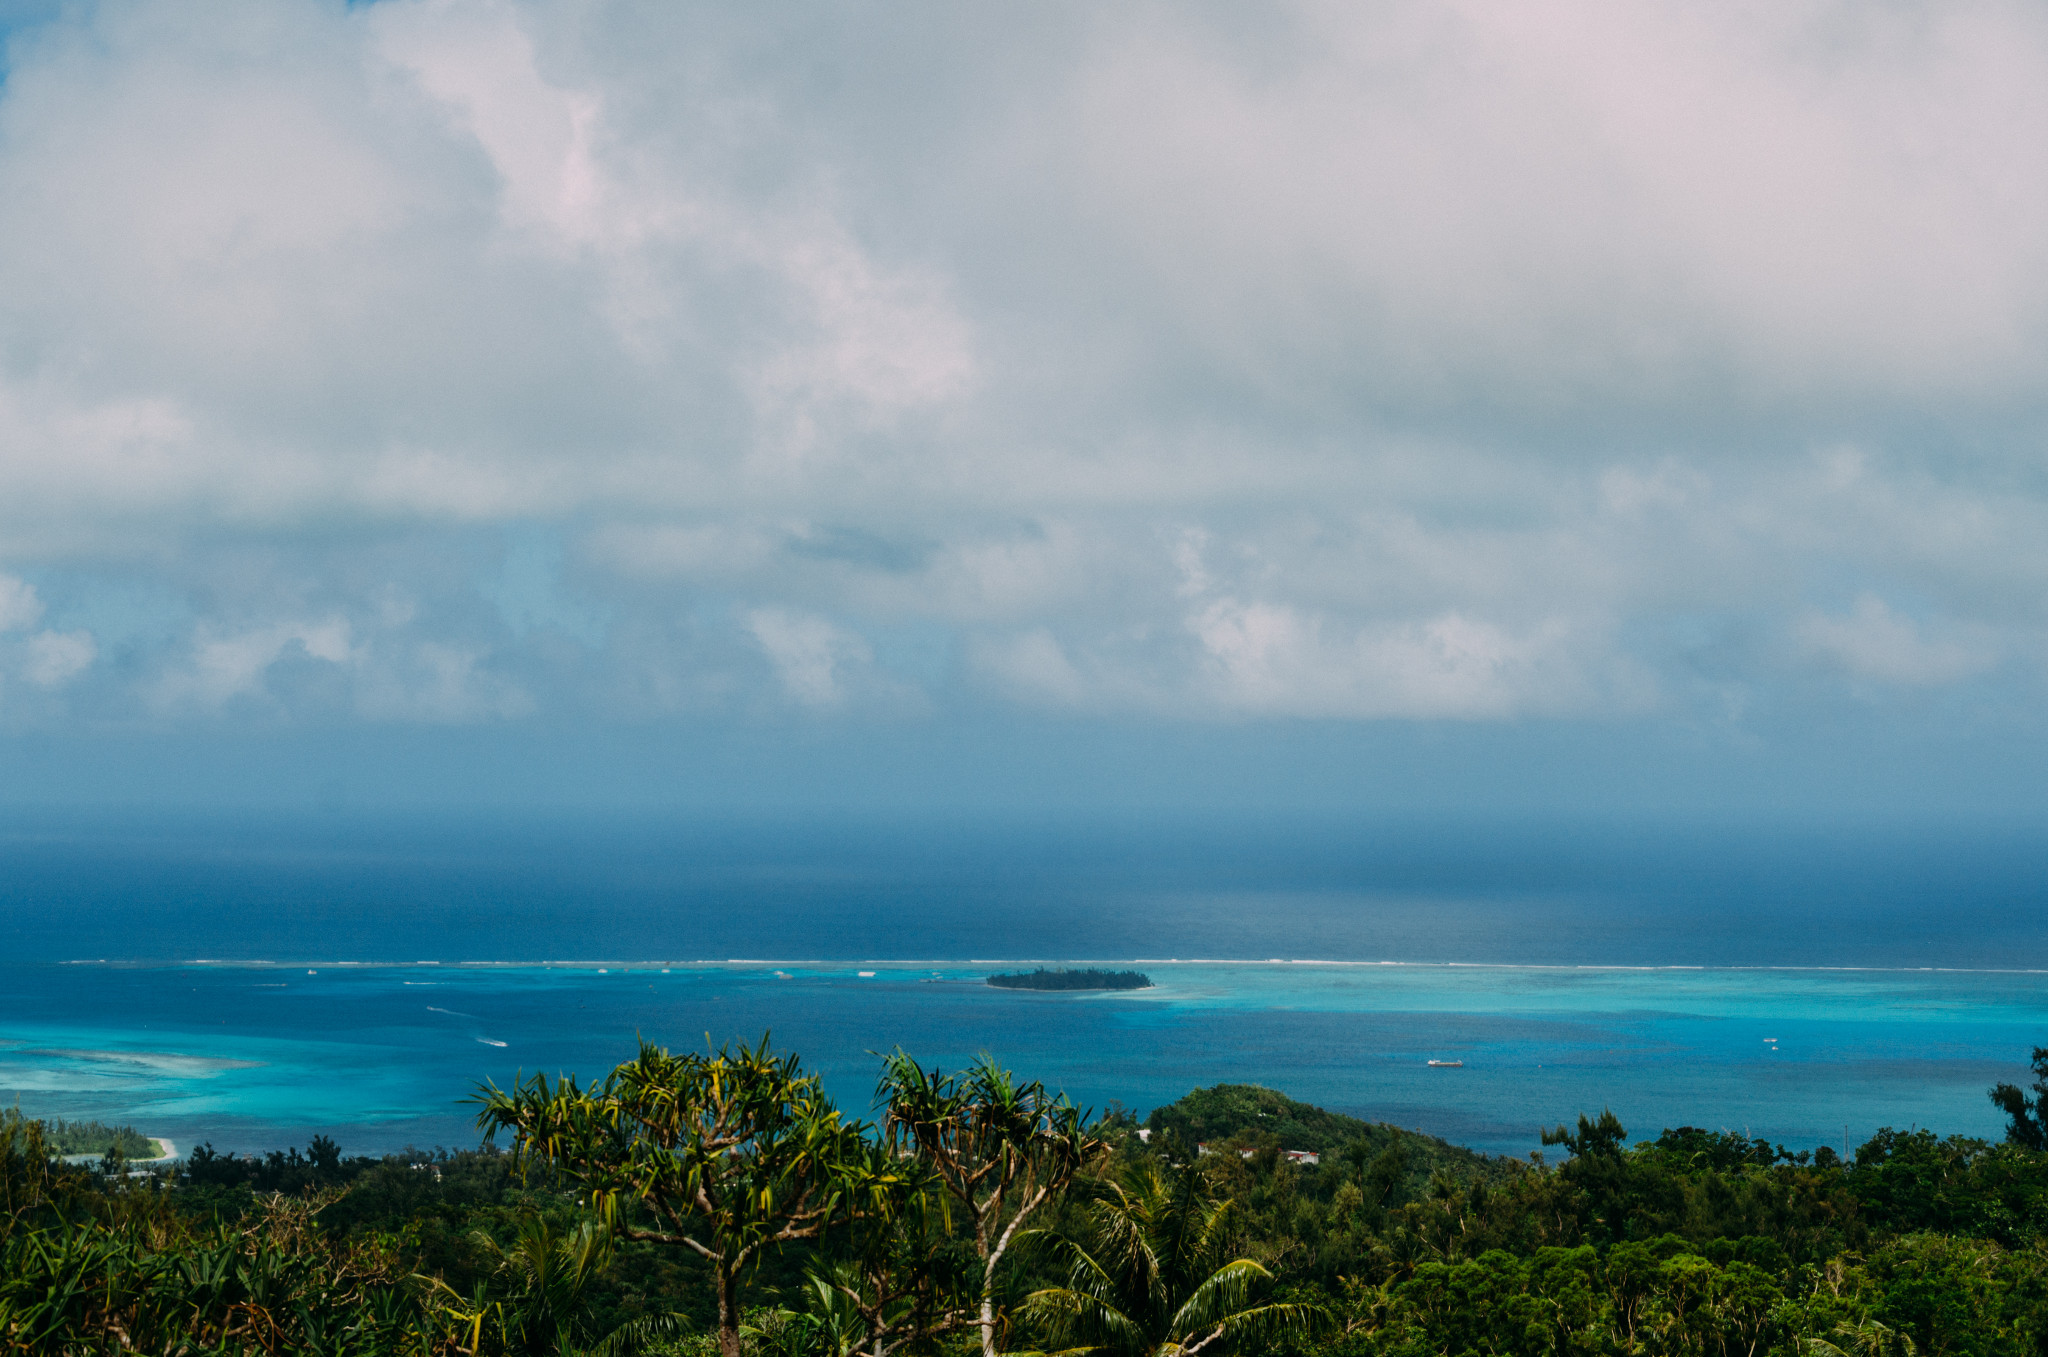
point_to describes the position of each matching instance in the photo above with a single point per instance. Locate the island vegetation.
(1071, 980)
(95, 1138)
(693, 1204)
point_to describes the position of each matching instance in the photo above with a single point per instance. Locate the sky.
(1431, 404)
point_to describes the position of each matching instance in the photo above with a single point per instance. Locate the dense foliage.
(2028, 1116)
(1393, 1245)
(1066, 980)
(91, 1137)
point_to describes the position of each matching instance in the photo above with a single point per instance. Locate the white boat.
(1447, 1064)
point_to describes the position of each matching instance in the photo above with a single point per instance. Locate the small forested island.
(1233, 1221)
(92, 1137)
(1064, 979)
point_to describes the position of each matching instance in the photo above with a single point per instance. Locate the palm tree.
(832, 1325)
(1152, 1281)
(1869, 1338)
(549, 1275)
(545, 1277)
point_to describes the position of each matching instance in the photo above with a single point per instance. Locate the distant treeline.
(1065, 979)
(92, 1137)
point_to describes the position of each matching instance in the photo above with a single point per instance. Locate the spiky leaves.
(997, 1148)
(903, 1276)
(723, 1154)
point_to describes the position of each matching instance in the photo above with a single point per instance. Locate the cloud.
(57, 657)
(267, 264)
(1274, 660)
(228, 665)
(385, 658)
(1587, 207)
(813, 659)
(541, 138)
(438, 682)
(47, 659)
(1032, 666)
(1873, 642)
(1422, 361)
(19, 606)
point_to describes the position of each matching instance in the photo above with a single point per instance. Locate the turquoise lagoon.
(258, 1055)
(1750, 977)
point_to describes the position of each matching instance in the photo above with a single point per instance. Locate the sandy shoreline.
(170, 1153)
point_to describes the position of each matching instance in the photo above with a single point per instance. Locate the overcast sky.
(1311, 394)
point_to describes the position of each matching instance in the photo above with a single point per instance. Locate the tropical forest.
(720, 1203)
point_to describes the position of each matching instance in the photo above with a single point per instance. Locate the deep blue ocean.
(253, 981)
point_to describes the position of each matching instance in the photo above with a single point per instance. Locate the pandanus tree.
(725, 1154)
(30, 1171)
(902, 1276)
(996, 1149)
(1152, 1278)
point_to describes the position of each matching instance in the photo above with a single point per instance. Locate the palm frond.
(637, 1335)
(1265, 1324)
(1151, 1279)
(1088, 1323)
(1223, 1293)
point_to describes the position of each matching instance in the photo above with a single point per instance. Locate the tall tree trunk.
(986, 1216)
(728, 1309)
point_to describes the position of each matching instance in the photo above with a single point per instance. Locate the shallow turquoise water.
(254, 1056)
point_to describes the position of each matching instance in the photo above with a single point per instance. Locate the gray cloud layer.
(477, 361)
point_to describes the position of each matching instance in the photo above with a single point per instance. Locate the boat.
(1447, 1064)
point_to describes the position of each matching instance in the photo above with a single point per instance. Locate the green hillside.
(1251, 1116)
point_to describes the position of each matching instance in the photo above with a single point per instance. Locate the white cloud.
(813, 658)
(1273, 659)
(387, 667)
(437, 682)
(19, 606)
(541, 138)
(57, 657)
(696, 551)
(1584, 205)
(1034, 667)
(1873, 642)
(228, 665)
(265, 263)
(1426, 360)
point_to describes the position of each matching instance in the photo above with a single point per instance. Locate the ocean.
(251, 983)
